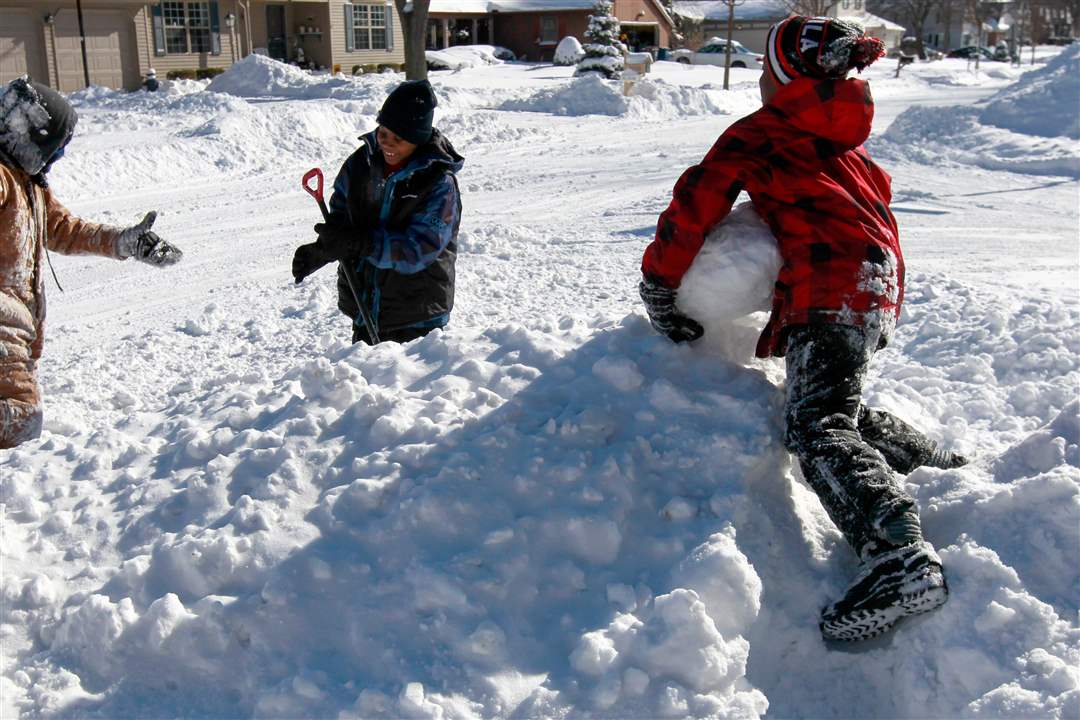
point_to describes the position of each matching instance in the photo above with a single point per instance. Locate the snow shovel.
(350, 272)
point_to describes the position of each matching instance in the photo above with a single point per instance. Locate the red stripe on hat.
(821, 44)
(786, 66)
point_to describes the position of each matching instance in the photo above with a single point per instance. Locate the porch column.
(491, 28)
(472, 36)
(445, 33)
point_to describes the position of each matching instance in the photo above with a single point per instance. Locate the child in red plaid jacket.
(836, 301)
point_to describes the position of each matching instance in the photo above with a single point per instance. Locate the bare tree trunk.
(414, 17)
(730, 29)
(947, 14)
(920, 11)
(1036, 23)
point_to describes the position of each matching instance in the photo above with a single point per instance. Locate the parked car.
(714, 51)
(968, 52)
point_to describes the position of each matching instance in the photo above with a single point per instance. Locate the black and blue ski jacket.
(408, 225)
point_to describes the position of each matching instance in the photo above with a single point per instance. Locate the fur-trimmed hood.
(35, 122)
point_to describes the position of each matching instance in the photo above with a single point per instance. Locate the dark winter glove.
(139, 242)
(336, 243)
(665, 318)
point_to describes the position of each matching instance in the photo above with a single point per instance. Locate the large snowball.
(731, 279)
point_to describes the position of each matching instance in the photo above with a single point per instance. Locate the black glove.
(139, 242)
(336, 243)
(663, 315)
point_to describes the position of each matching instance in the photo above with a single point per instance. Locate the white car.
(714, 51)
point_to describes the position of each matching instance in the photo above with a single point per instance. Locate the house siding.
(163, 64)
(347, 60)
(627, 11)
(520, 32)
(121, 43)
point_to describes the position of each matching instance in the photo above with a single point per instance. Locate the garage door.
(110, 49)
(21, 46)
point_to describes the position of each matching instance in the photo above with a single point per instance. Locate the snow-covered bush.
(569, 51)
(603, 52)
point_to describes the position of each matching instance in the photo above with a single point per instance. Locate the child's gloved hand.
(336, 243)
(664, 316)
(139, 242)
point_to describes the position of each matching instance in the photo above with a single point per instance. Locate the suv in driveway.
(714, 51)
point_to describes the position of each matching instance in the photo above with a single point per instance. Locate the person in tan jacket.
(36, 124)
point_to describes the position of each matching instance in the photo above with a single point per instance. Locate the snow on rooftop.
(486, 6)
(718, 10)
(869, 20)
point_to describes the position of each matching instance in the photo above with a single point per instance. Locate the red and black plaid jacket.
(801, 160)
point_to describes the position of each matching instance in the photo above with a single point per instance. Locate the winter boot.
(897, 583)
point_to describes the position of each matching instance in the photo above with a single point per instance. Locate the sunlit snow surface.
(545, 510)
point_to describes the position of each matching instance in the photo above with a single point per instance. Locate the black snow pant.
(848, 453)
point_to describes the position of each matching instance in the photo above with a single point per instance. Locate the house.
(532, 28)
(753, 18)
(891, 33)
(126, 38)
(703, 19)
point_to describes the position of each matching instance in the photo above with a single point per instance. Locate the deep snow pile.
(648, 99)
(261, 76)
(1008, 134)
(1054, 88)
(461, 57)
(582, 521)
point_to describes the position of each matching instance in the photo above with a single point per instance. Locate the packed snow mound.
(260, 76)
(460, 57)
(1053, 89)
(532, 523)
(732, 279)
(1005, 135)
(208, 135)
(568, 51)
(593, 565)
(591, 94)
(956, 136)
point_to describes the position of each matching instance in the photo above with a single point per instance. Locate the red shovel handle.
(316, 192)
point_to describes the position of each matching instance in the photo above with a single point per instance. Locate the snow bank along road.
(546, 510)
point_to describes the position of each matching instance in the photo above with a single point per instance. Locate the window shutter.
(390, 27)
(350, 35)
(215, 29)
(159, 29)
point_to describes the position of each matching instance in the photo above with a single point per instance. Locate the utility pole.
(82, 42)
(730, 30)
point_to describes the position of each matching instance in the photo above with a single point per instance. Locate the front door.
(276, 45)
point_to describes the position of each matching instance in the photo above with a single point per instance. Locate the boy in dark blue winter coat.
(394, 217)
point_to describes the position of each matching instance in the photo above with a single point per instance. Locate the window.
(549, 29)
(369, 27)
(187, 27)
(176, 40)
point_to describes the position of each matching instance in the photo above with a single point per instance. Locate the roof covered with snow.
(486, 6)
(869, 20)
(718, 10)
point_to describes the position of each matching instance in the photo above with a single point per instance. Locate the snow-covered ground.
(545, 510)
